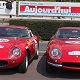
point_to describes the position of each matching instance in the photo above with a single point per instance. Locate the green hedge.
(44, 29)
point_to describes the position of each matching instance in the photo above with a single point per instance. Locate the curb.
(41, 53)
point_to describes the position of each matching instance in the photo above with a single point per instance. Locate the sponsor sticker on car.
(1, 46)
(29, 42)
(74, 53)
(4, 40)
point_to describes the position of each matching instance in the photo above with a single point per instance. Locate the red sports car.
(63, 50)
(17, 47)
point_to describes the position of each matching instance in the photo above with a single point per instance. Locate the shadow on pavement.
(41, 68)
(8, 71)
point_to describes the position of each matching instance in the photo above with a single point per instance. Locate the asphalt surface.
(43, 45)
(37, 71)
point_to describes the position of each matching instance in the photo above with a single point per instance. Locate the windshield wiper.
(74, 37)
(23, 35)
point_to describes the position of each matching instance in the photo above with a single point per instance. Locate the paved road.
(43, 45)
(6, 18)
(36, 71)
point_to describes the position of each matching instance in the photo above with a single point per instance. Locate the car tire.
(49, 68)
(36, 53)
(22, 68)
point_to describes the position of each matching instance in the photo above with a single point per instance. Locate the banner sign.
(49, 8)
(5, 11)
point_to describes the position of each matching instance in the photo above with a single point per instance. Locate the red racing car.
(63, 50)
(17, 47)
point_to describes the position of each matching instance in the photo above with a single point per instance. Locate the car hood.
(6, 43)
(69, 45)
(70, 50)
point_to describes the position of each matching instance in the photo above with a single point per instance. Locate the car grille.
(3, 63)
(71, 64)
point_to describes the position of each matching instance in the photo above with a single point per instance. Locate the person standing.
(59, 1)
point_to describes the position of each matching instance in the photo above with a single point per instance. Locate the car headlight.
(15, 53)
(55, 53)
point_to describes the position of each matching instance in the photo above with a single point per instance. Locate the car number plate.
(74, 53)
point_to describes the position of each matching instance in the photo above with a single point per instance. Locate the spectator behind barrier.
(59, 1)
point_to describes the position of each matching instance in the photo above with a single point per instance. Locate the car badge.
(77, 56)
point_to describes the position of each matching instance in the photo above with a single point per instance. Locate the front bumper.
(55, 65)
(63, 67)
(8, 63)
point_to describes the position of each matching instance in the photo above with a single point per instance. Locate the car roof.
(70, 28)
(14, 26)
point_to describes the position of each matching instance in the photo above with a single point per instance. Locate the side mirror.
(30, 33)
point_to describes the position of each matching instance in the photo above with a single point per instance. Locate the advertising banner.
(49, 8)
(5, 11)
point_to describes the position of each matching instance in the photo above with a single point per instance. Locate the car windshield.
(68, 34)
(13, 32)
